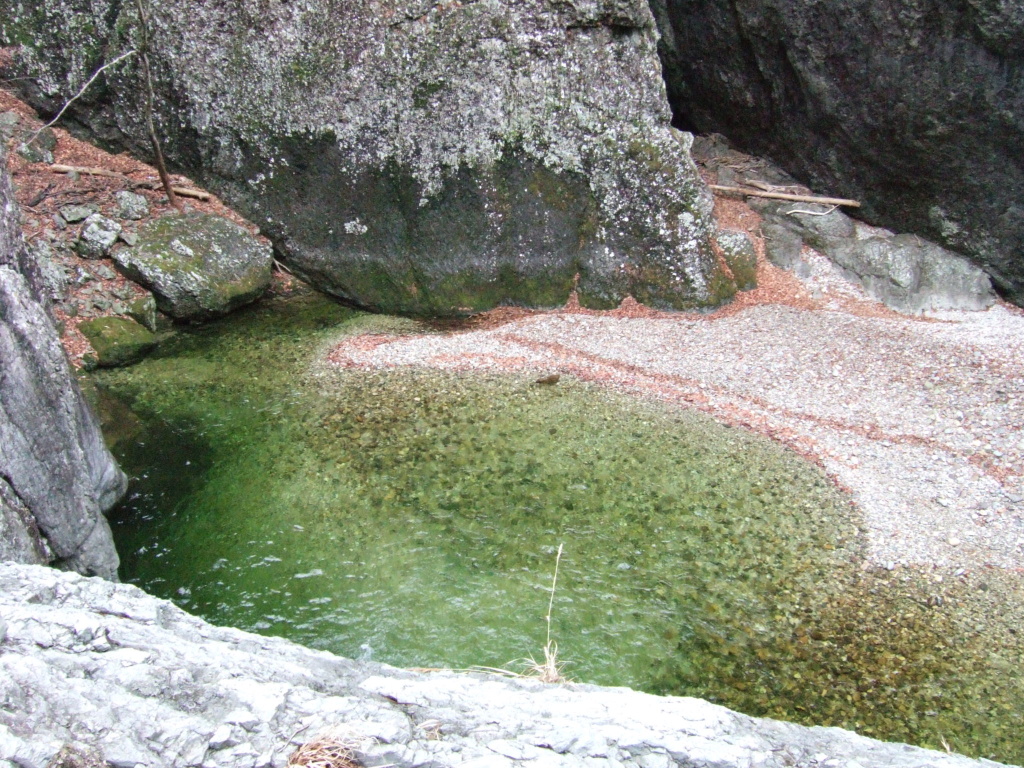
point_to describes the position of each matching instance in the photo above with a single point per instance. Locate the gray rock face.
(410, 156)
(198, 266)
(905, 272)
(53, 463)
(913, 107)
(108, 668)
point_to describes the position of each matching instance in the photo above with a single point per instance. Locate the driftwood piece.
(196, 193)
(56, 168)
(786, 196)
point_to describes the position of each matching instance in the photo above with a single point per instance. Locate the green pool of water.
(413, 518)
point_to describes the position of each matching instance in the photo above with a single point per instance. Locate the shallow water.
(413, 518)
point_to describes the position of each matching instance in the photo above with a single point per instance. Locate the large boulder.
(56, 476)
(914, 107)
(405, 155)
(198, 266)
(111, 670)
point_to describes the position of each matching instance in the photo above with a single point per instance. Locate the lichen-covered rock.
(117, 341)
(198, 266)
(131, 205)
(72, 214)
(915, 107)
(111, 669)
(38, 147)
(98, 236)
(410, 156)
(53, 462)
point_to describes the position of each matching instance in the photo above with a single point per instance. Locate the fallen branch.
(786, 196)
(84, 170)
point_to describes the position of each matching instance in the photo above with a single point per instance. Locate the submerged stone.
(423, 159)
(117, 340)
(198, 266)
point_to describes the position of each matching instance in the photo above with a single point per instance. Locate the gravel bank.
(919, 418)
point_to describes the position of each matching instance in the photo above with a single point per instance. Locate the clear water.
(413, 518)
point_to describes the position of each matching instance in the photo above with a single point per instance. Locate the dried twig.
(161, 167)
(813, 213)
(785, 196)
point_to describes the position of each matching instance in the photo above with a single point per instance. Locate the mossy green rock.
(198, 266)
(740, 257)
(413, 157)
(117, 341)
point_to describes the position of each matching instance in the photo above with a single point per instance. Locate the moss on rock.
(198, 266)
(117, 341)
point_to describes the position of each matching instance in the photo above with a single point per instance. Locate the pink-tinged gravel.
(919, 419)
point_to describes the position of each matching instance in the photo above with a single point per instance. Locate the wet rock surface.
(198, 266)
(914, 107)
(417, 158)
(53, 463)
(110, 670)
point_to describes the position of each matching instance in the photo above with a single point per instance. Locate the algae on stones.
(412, 517)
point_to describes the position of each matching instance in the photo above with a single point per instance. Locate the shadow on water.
(413, 517)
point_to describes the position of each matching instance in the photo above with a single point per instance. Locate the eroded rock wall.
(915, 107)
(406, 155)
(108, 667)
(57, 477)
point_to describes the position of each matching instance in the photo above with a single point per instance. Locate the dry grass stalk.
(325, 751)
(549, 670)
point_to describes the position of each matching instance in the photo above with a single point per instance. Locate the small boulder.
(71, 214)
(117, 341)
(198, 266)
(131, 205)
(740, 257)
(98, 236)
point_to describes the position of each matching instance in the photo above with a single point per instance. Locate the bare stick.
(785, 196)
(161, 167)
(82, 90)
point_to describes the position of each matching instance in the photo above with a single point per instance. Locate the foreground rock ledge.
(107, 666)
